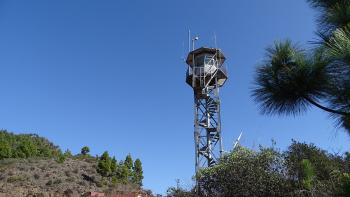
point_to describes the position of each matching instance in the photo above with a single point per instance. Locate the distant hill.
(25, 146)
(32, 165)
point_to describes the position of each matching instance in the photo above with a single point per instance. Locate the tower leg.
(207, 129)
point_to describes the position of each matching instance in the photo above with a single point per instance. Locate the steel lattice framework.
(207, 134)
(206, 75)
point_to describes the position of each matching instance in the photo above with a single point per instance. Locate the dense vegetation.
(122, 172)
(31, 146)
(301, 170)
(25, 146)
(292, 79)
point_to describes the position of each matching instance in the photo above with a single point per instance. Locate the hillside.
(32, 165)
(26, 145)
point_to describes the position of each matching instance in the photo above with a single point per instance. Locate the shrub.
(36, 176)
(301, 170)
(49, 183)
(17, 178)
(85, 150)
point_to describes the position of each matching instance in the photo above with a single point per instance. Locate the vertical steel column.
(207, 128)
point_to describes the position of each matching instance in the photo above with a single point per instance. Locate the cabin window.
(199, 60)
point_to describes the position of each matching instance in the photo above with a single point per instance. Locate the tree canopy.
(85, 150)
(292, 79)
(302, 170)
(25, 146)
(124, 172)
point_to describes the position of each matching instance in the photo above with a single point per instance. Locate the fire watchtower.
(206, 75)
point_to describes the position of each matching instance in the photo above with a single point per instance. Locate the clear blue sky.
(109, 74)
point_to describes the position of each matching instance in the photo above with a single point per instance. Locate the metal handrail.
(200, 72)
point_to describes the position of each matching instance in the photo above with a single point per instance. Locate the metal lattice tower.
(206, 75)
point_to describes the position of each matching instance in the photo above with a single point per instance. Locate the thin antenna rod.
(184, 52)
(189, 40)
(216, 46)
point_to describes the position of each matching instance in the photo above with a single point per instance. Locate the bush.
(85, 150)
(301, 170)
(36, 176)
(17, 178)
(61, 158)
(49, 183)
(57, 181)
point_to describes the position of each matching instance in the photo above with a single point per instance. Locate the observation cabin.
(206, 68)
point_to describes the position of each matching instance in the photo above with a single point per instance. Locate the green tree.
(291, 79)
(122, 173)
(322, 162)
(104, 165)
(128, 162)
(137, 176)
(113, 165)
(85, 150)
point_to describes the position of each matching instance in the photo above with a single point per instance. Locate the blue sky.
(109, 74)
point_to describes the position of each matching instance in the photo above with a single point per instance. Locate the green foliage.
(290, 80)
(124, 172)
(246, 173)
(345, 184)
(104, 164)
(85, 150)
(26, 146)
(322, 162)
(179, 192)
(137, 172)
(5, 150)
(301, 170)
(68, 154)
(333, 14)
(128, 162)
(61, 158)
(308, 172)
(113, 165)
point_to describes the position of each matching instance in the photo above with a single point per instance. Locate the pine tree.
(122, 172)
(128, 162)
(290, 80)
(113, 165)
(137, 172)
(104, 165)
